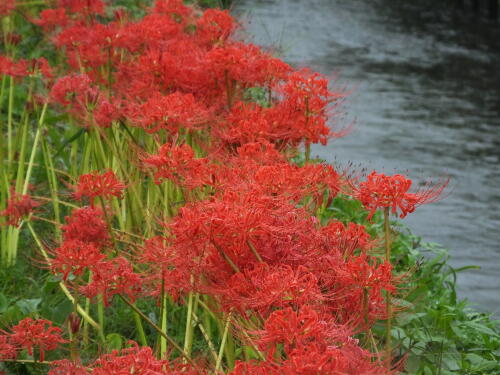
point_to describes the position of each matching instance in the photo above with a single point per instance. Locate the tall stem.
(158, 329)
(10, 150)
(388, 340)
(223, 343)
(86, 317)
(163, 341)
(192, 307)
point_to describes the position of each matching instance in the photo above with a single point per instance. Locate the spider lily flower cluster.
(193, 199)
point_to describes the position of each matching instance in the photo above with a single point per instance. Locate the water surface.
(425, 99)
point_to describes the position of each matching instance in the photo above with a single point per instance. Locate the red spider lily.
(266, 288)
(75, 257)
(256, 368)
(87, 225)
(227, 234)
(157, 29)
(214, 26)
(73, 90)
(49, 19)
(106, 112)
(363, 272)
(168, 270)
(104, 185)
(91, 45)
(289, 122)
(16, 69)
(39, 333)
(85, 101)
(307, 105)
(381, 191)
(359, 284)
(76, 92)
(348, 238)
(172, 8)
(42, 65)
(115, 276)
(178, 164)
(177, 66)
(6, 7)
(315, 345)
(233, 65)
(18, 207)
(87, 7)
(298, 329)
(67, 367)
(248, 122)
(346, 358)
(7, 349)
(141, 361)
(280, 179)
(261, 152)
(171, 112)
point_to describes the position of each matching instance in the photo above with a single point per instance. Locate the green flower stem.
(65, 290)
(34, 148)
(3, 187)
(31, 361)
(206, 336)
(223, 343)
(158, 329)
(10, 150)
(193, 299)
(100, 312)
(163, 313)
(53, 187)
(388, 338)
(140, 329)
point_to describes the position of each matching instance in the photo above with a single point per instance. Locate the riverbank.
(154, 189)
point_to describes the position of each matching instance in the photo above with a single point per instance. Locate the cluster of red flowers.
(30, 334)
(381, 191)
(250, 234)
(18, 207)
(132, 360)
(85, 248)
(104, 185)
(7, 7)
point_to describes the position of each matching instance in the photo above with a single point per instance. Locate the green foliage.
(223, 4)
(434, 332)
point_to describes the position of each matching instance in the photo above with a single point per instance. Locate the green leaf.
(481, 328)
(114, 341)
(12, 315)
(479, 363)
(413, 364)
(4, 303)
(72, 138)
(405, 318)
(451, 361)
(59, 312)
(29, 306)
(465, 268)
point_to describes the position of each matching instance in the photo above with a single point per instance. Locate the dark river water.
(425, 100)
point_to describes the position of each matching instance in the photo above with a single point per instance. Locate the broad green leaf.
(114, 341)
(4, 303)
(29, 306)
